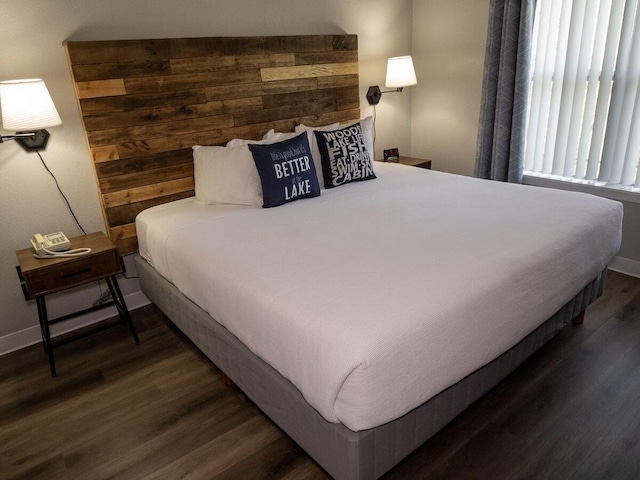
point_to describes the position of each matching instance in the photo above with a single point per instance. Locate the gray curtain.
(501, 134)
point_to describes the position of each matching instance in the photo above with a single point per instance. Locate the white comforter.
(377, 295)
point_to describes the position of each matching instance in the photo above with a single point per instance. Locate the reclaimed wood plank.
(108, 71)
(270, 74)
(146, 192)
(140, 163)
(336, 81)
(117, 51)
(146, 116)
(274, 114)
(145, 178)
(105, 153)
(326, 118)
(101, 88)
(141, 132)
(311, 58)
(207, 137)
(226, 62)
(123, 232)
(130, 102)
(186, 81)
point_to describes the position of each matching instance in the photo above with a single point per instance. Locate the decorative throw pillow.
(344, 155)
(367, 136)
(286, 171)
(314, 145)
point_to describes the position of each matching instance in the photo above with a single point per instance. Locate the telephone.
(54, 245)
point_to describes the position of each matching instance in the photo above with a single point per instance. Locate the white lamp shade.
(400, 72)
(27, 105)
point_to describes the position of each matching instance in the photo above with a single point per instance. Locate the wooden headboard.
(145, 103)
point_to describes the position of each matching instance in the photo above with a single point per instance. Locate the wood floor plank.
(223, 452)
(275, 461)
(161, 411)
(181, 438)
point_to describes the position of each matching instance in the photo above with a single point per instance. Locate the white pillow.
(272, 136)
(325, 128)
(241, 142)
(226, 175)
(266, 139)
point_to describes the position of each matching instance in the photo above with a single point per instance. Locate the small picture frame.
(391, 155)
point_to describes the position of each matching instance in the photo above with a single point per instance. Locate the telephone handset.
(54, 245)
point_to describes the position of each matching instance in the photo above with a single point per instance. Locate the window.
(584, 105)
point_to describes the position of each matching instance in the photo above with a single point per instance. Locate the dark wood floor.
(161, 411)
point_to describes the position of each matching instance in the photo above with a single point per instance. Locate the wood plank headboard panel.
(145, 103)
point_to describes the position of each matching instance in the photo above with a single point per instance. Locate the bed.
(360, 316)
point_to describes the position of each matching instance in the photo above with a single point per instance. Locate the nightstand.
(415, 162)
(42, 277)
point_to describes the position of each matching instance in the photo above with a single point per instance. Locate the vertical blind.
(584, 105)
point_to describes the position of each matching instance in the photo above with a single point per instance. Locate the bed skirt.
(344, 454)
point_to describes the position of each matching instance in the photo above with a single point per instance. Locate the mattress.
(378, 295)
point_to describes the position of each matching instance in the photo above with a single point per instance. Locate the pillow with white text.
(344, 156)
(286, 171)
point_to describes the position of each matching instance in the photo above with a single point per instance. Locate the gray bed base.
(344, 454)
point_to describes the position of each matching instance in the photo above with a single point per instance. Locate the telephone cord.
(76, 252)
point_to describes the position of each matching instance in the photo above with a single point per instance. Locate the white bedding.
(377, 295)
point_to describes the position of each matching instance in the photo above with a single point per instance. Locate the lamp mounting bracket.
(374, 94)
(30, 141)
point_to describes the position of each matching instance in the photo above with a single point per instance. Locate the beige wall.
(31, 35)
(449, 38)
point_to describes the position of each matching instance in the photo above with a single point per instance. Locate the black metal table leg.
(123, 311)
(46, 333)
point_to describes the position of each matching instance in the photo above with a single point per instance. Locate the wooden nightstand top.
(44, 276)
(415, 162)
(412, 161)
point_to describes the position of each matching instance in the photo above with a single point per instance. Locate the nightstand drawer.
(72, 272)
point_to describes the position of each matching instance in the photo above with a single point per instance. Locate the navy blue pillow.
(286, 171)
(344, 157)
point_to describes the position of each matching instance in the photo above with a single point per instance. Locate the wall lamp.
(400, 74)
(27, 109)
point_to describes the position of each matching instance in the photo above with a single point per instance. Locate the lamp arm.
(30, 141)
(4, 138)
(395, 90)
(374, 94)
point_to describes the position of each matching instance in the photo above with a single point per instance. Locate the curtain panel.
(501, 133)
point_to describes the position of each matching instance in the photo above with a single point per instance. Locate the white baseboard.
(626, 266)
(31, 335)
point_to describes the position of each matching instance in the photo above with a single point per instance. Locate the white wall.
(31, 35)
